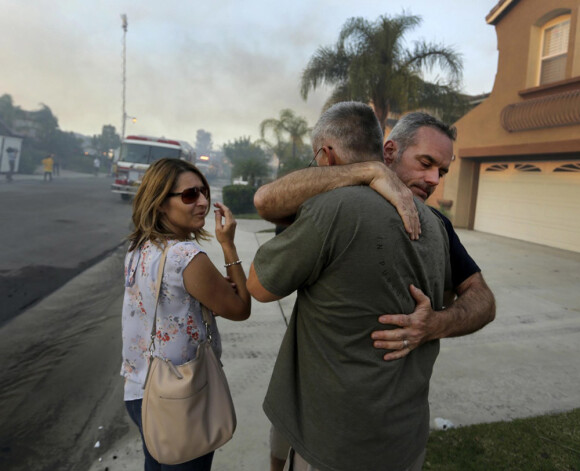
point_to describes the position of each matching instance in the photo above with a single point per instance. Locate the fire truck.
(137, 153)
(207, 167)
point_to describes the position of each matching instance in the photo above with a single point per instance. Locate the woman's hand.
(224, 230)
(389, 186)
(226, 296)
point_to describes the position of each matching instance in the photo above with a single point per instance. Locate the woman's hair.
(149, 222)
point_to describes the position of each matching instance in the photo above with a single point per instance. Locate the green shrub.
(30, 158)
(239, 198)
(82, 164)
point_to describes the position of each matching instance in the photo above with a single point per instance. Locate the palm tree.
(370, 64)
(294, 127)
(289, 129)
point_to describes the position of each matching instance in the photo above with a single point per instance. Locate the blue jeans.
(203, 463)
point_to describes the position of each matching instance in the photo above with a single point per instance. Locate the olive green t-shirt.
(339, 404)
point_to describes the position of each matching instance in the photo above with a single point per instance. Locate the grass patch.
(546, 443)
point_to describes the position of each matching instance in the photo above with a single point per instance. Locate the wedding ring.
(405, 343)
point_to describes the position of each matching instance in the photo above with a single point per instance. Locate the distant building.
(517, 168)
(10, 147)
(27, 125)
(87, 146)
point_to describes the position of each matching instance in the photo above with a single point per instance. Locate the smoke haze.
(222, 66)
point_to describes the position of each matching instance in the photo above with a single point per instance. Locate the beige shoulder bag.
(187, 409)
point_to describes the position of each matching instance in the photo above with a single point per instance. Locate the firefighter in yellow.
(48, 164)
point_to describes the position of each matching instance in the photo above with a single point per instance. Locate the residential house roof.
(498, 11)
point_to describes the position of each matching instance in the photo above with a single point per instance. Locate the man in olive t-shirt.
(331, 395)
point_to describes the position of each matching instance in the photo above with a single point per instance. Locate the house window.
(554, 50)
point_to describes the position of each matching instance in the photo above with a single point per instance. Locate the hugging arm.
(279, 200)
(257, 290)
(472, 310)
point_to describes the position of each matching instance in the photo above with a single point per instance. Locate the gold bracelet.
(237, 262)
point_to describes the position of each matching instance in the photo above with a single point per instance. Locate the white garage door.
(535, 201)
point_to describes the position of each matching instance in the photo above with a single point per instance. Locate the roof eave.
(498, 11)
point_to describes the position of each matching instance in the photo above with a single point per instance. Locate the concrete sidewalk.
(525, 363)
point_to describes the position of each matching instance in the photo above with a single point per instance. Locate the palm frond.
(427, 55)
(273, 124)
(340, 93)
(327, 66)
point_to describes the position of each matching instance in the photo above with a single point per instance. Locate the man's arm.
(256, 289)
(279, 200)
(473, 309)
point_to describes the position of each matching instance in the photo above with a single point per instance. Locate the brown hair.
(404, 132)
(149, 222)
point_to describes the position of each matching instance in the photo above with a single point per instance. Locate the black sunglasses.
(191, 195)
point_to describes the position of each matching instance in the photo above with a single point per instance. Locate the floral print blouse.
(180, 326)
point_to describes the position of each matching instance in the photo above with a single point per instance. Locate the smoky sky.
(222, 66)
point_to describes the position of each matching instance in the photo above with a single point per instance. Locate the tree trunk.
(382, 113)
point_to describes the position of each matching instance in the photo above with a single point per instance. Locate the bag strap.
(157, 291)
(207, 315)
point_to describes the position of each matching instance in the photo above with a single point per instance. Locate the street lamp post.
(124, 115)
(125, 118)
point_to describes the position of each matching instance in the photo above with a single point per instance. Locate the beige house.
(517, 167)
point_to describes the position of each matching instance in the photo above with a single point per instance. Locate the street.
(53, 231)
(55, 354)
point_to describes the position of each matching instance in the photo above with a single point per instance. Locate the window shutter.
(556, 39)
(553, 69)
(554, 52)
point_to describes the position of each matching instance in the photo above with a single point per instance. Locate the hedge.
(239, 198)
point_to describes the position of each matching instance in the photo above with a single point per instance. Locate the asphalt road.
(50, 232)
(55, 354)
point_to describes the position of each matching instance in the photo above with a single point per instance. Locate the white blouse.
(180, 326)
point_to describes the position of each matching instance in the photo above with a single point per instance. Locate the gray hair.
(406, 128)
(353, 128)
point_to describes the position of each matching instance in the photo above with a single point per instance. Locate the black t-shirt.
(462, 265)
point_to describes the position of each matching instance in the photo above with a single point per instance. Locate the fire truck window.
(136, 153)
(161, 152)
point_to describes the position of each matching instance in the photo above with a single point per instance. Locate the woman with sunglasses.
(169, 210)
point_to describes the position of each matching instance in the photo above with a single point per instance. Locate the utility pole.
(124, 118)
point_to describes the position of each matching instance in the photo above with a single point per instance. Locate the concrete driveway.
(526, 362)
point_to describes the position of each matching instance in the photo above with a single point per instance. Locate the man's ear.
(330, 158)
(389, 152)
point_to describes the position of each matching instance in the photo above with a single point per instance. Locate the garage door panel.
(539, 206)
